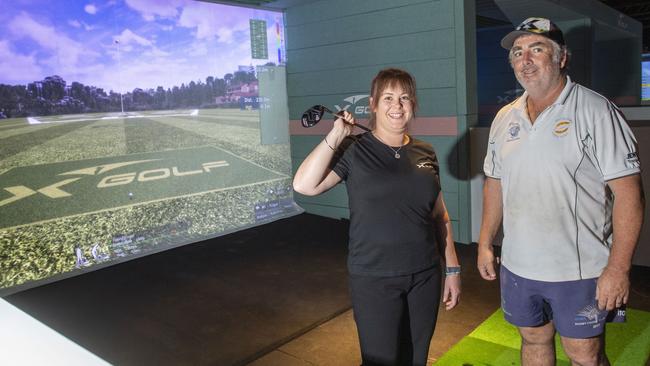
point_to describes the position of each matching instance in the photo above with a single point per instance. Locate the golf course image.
(88, 190)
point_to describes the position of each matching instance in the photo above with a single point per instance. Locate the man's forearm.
(627, 218)
(492, 211)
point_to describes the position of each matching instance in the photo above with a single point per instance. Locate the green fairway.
(62, 189)
(497, 343)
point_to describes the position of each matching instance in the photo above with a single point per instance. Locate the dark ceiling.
(488, 14)
(637, 9)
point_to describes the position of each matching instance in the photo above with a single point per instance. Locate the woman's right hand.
(341, 128)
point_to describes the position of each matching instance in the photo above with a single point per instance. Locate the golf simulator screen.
(128, 127)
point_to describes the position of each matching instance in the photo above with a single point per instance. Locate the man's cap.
(534, 25)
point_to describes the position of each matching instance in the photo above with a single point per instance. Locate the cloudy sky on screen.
(123, 44)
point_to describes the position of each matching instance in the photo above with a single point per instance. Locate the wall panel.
(435, 44)
(322, 11)
(383, 23)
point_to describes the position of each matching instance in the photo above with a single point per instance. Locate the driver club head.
(313, 115)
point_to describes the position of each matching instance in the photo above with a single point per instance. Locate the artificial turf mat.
(496, 343)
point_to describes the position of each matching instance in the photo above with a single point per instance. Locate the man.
(563, 173)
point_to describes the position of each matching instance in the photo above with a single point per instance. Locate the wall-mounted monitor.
(645, 78)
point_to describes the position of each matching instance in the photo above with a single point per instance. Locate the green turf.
(14, 144)
(496, 343)
(147, 135)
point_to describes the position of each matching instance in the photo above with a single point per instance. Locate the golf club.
(314, 114)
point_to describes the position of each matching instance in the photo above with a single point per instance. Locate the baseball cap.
(534, 25)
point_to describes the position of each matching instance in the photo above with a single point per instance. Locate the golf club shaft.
(340, 116)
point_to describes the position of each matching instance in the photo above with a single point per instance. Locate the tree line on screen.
(52, 96)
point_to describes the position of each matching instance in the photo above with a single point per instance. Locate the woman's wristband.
(328, 144)
(450, 271)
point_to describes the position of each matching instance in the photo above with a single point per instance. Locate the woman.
(399, 225)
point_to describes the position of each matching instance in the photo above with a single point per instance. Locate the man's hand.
(612, 289)
(613, 285)
(490, 224)
(486, 262)
(451, 293)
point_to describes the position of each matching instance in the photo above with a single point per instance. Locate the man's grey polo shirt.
(556, 204)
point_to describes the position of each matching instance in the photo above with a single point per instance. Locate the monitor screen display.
(645, 78)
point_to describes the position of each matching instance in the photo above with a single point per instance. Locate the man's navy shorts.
(570, 305)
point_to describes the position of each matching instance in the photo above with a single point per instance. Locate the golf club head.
(313, 115)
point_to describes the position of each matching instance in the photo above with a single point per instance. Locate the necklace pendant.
(397, 156)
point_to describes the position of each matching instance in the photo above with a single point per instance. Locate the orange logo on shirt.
(561, 128)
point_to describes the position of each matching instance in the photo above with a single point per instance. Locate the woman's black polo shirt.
(391, 202)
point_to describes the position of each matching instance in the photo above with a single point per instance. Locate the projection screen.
(129, 127)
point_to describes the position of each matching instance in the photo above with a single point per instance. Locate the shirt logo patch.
(561, 128)
(632, 160)
(425, 164)
(513, 131)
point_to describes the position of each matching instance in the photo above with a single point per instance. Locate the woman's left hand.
(451, 292)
